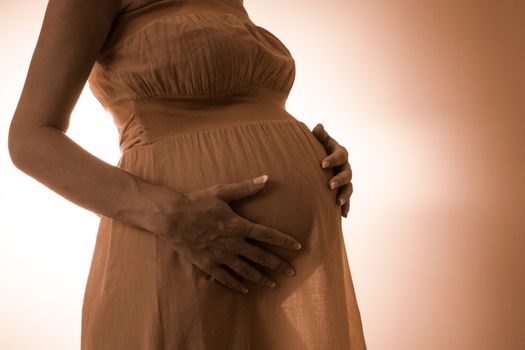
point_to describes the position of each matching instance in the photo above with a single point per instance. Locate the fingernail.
(341, 201)
(297, 245)
(244, 290)
(260, 180)
(271, 284)
(333, 184)
(325, 164)
(289, 272)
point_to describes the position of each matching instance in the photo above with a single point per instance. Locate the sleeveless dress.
(197, 92)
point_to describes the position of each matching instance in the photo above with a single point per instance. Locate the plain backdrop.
(427, 96)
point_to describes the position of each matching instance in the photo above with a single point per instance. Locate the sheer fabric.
(197, 92)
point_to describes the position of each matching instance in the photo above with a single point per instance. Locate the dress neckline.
(128, 22)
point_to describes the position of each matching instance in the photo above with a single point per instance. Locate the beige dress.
(197, 92)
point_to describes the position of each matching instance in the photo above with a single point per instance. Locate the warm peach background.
(428, 97)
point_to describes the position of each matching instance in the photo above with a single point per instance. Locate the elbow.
(17, 144)
(13, 146)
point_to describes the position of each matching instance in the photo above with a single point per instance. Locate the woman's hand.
(204, 229)
(338, 159)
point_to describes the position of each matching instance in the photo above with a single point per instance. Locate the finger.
(268, 235)
(238, 190)
(247, 271)
(265, 258)
(341, 178)
(321, 134)
(345, 208)
(344, 193)
(339, 156)
(225, 278)
(324, 138)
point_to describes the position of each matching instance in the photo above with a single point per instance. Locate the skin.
(199, 224)
(337, 159)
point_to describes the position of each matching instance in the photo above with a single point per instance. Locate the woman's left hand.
(338, 159)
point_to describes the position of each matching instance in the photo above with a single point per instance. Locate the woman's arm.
(72, 33)
(206, 231)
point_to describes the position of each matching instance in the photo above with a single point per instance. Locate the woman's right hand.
(204, 229)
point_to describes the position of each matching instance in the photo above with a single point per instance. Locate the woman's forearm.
(51, 157)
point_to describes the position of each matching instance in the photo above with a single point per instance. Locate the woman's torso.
(197, 92)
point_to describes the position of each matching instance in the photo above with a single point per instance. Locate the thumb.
(239, 190)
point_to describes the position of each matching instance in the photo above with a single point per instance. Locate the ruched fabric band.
(148, 120)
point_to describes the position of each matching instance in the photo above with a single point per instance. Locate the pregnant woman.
(195, 249)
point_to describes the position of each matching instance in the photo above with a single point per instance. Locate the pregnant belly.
(294, 200)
